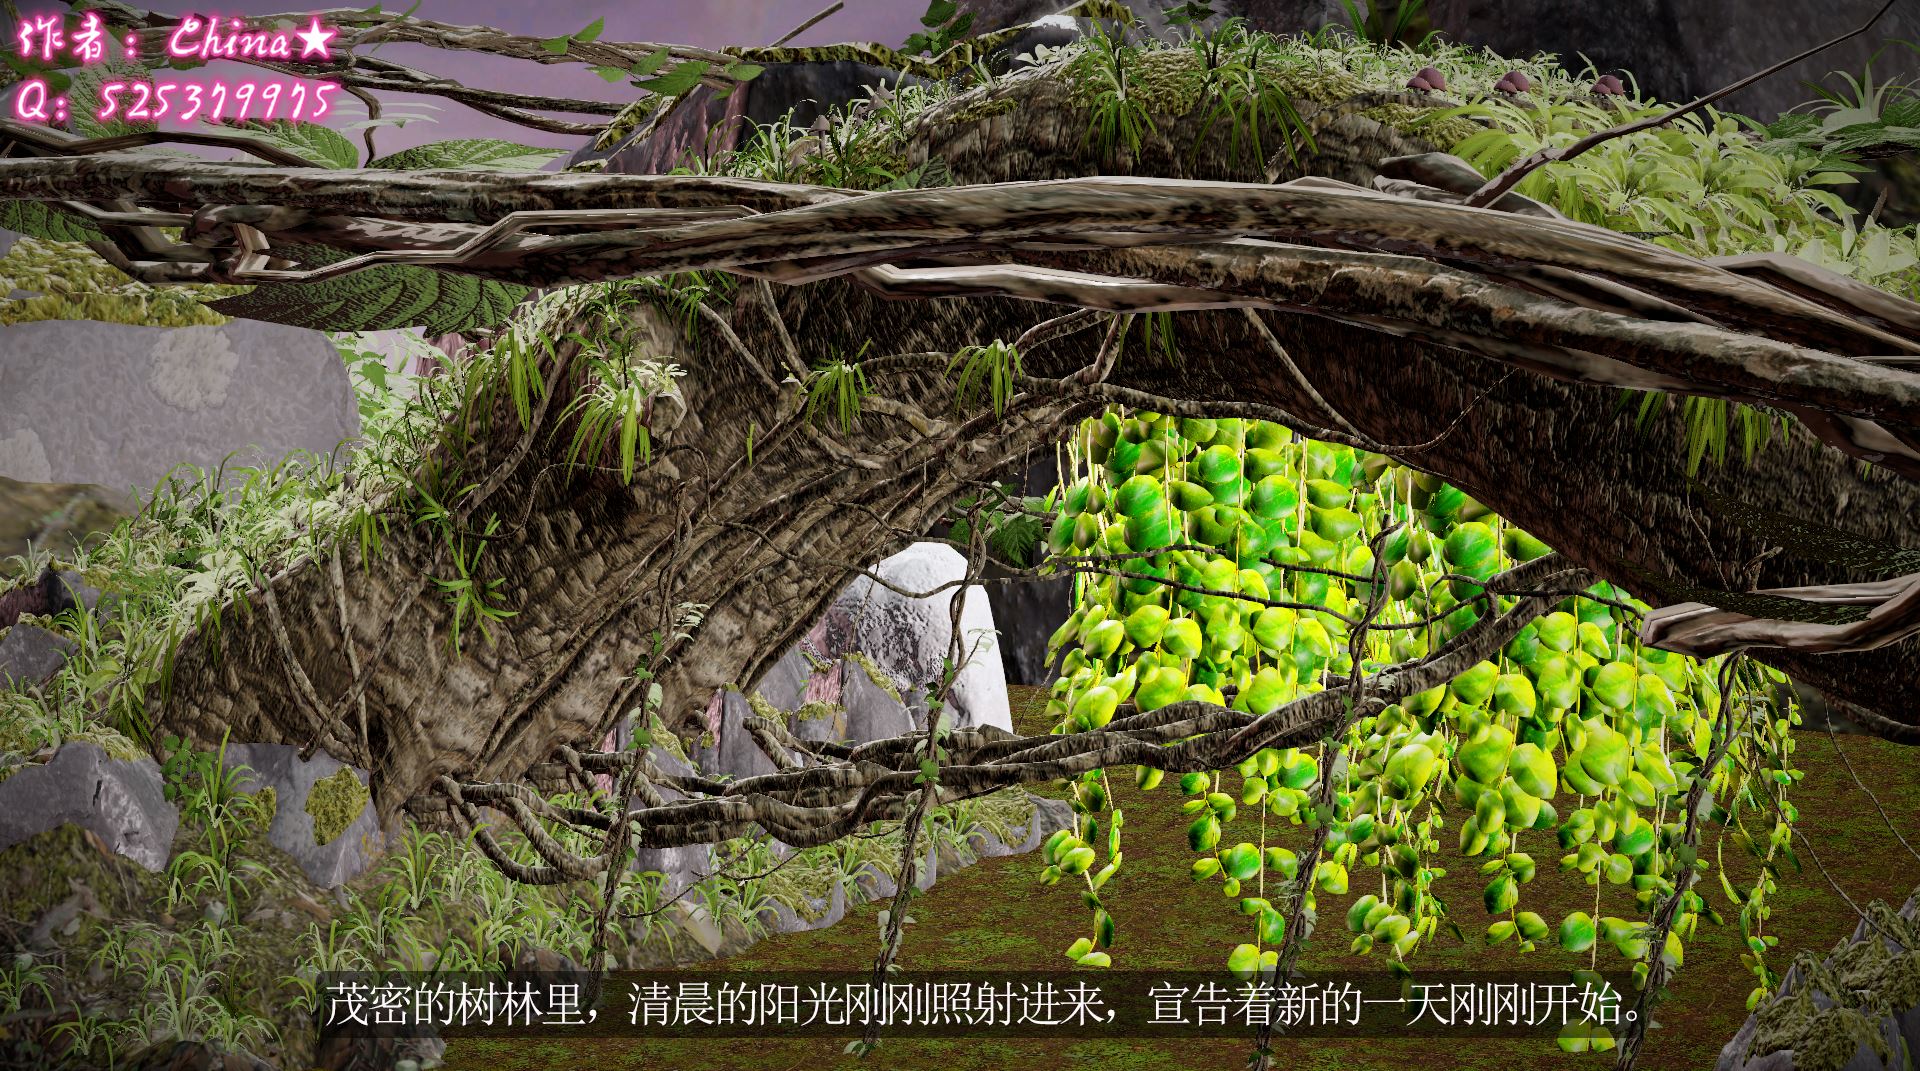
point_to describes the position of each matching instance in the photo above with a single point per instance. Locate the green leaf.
(322, 145)
(592, 32)
(39, 219)
(938, 13)
(681, 79)
(654, 61)
(1244, 961)
(380, 298)
(1577, 932)
(556, 45)
(609, 74)
(744, 72)
(475, 154)
(1241, 861)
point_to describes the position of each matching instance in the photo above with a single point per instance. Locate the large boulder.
(122, 801)
(862, 673)
(321, 815)
(30, 655)
(1828, 1019)
(909, 638)
(87, 402)
(865, 669)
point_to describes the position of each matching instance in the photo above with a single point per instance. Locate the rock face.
(30, 655)
(869, 663)
(908, 638)
(121, 801)
(1854, 964)
(1028, 612)
(347, 853)
(110, 404)
(1679, 49)
(860, 674)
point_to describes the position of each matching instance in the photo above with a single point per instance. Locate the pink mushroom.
(1514, 82)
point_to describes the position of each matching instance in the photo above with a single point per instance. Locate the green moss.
(623, 125)
(268, 802)
(335, 803)
(818, 710)
(875, 674)
(68, 281)
(984, 109)
(1866, 981)
(43, 870)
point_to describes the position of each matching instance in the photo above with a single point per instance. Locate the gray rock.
(1899, 1031)
(908, 638)
(904, 640)
(279, 767)
(122, 801)
(118, 405)
(31, 655)
(72, 590)
(1028, 612)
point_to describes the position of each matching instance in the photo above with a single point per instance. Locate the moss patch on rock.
(66, 281)
(335, 803)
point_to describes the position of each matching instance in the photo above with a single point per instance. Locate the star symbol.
(315, 40)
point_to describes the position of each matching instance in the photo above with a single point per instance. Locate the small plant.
(835, 389)
(946, 25)
(209, 792)
(20, 979)
(1386, 27)
(1117, 116)
(991, 369)
(617, 410)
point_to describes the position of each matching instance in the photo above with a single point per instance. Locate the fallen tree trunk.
(595, 569)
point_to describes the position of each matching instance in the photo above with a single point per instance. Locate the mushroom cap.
(1417, 82)
(1518, 80)
(1432, 77)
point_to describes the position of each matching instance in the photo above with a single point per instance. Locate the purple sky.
(708, 23)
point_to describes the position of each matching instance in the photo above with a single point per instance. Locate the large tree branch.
(1443, 273)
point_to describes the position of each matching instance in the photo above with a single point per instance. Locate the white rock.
(909, 638)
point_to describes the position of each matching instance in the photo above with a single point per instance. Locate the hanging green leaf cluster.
(1231, 562)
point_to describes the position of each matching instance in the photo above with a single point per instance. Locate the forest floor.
(994, 915)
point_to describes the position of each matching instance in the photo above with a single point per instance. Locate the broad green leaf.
(681, 79)
(38, 219)
(1577, 932)
(323, 145)
(475, 154)
(377, 299)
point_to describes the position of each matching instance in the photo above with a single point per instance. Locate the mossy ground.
(994, 914)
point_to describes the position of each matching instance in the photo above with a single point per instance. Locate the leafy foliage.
(380, 298)
(614, 412)
(834, 391)
(1227, 561)
(1015, 526)
(990, 369)
(945, 26)
(38, 219)
(477, 154)
(323, 145)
